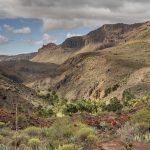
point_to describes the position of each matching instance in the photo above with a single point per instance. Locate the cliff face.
(106, 36)
(74, 42)
(107, 33)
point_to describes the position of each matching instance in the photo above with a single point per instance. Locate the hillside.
(108, 72)
(24, 71)
(89, 93)
(17, 57)
(105, 36)
(12, 93)
(102, 64)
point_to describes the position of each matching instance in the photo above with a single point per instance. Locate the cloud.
(24, 30)
(3, 39)
(31, 41)
(61, 14)
(46, 38)
(69, 35)
(8, 28)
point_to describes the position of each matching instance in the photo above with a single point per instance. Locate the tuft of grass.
(33, 131)
(68, 147)
(142, 118)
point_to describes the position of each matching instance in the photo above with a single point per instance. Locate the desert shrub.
(23, 147)
(131, 101)
(3, 147)
(142, 137)
(51, 97)
(62, 129)
(114, 105)
(34, 143)
(2, 124)
(81, 106)
(44, 112)
(127, 97)
(84, 132)
(142, 118)
(33, 131)
(91, 139)
(46, 146)
(147, 137)
(68, 147)
(60, 132)
(1, 138)
(6, 132)
(19, 139)
(70, 109)
(127, 133)
(45, 131)
(21, 119)
(87, 106)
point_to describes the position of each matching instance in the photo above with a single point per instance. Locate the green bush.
(6, 132)
(44, 112)
(92, 139)
(61, 129)
(114, 106)
(1, 138)
(60, 132)
(51, 97)
(70, 109)
(80, 106)
(20, 139)
(142, 118)
(2, 124)
(68, 147)
(127, 97)
(33, 131)
(34, 143)
(84, 132)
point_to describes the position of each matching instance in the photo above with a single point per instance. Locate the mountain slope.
(108, 72)
(24, 71)
(106, 36)
(17, 57)
(12, 93)
(104, 63)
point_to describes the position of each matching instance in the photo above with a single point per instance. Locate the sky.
(25, 25)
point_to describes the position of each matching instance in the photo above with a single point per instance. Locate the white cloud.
(69, 35)
(46, 38)
(24, 30)
(8, 28)
(31, 41)
(3, 39)
(57, 14)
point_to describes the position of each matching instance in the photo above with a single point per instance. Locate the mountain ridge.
(106, 36)
(27, 56)
(106, 71)
(96, 71)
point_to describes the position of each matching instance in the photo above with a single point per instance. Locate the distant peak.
(74, 42)
(50, 46)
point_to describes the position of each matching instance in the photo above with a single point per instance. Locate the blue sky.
(31, 41)
(26, 24)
